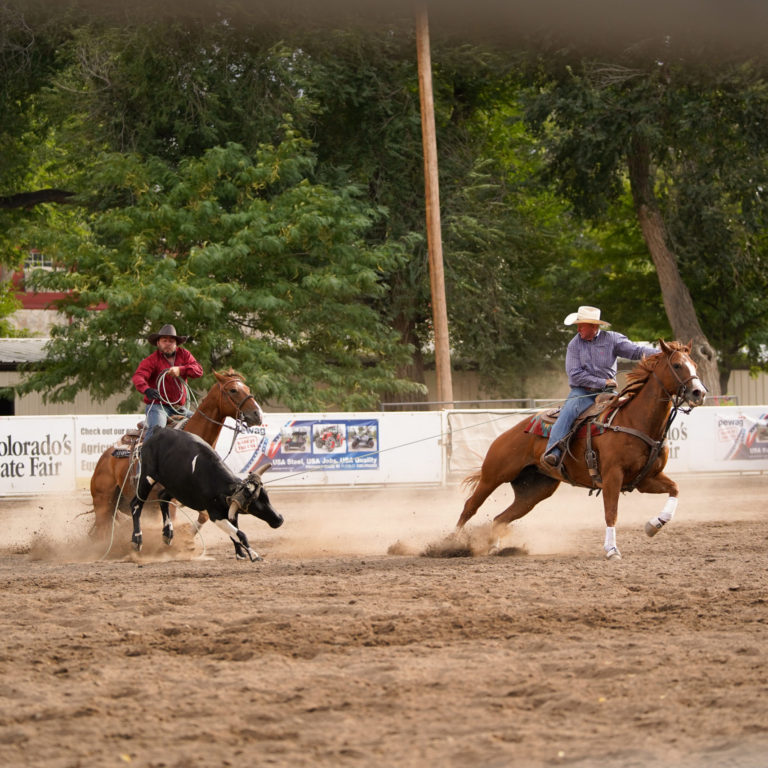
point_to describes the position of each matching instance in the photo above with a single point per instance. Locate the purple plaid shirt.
(590, 363)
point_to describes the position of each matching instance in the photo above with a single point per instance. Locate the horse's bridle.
(238, 406)
(676, 398)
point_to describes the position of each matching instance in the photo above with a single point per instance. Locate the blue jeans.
(579, 399)
(157, 416)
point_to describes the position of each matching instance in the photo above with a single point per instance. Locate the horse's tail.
(471, 481)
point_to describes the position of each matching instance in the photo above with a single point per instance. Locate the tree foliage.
(267, 271)
(695, 120)
(165, 127)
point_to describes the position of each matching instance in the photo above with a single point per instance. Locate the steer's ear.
(262, 469)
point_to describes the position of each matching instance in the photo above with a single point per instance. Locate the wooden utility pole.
(432, 190)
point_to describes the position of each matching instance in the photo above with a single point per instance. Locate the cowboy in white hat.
(161, 377)
(591, 363)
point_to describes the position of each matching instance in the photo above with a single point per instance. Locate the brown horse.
(112, 482)
(630, 452)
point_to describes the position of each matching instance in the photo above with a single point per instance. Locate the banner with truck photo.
(340, 448)
(57, 454)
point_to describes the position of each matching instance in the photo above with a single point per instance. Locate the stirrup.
(551, 461)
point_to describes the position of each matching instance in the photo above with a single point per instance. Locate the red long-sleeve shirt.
(151, 367)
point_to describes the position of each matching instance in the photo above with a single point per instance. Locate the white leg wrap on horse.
(669, 509)
(610, 539)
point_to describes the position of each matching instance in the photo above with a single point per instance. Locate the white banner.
(94, 435)
(58, 453)
(36, 455)
(471, 433)
(712, 439)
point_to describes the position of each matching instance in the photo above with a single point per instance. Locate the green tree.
(683, 131)
(507, 240)
(266, 270)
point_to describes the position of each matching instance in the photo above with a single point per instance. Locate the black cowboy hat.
(166, 330)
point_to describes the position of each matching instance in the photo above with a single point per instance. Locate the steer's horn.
(234, 508)
(262, 469)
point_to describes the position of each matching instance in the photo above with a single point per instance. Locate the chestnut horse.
(112, 482)
(630, 452)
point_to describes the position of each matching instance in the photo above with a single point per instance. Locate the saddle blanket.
(537, 426)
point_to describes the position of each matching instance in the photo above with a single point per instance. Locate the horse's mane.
(637, 377)
(232, 374)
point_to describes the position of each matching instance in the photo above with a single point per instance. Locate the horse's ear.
(219, 376)
(663, 346)
(689, 346)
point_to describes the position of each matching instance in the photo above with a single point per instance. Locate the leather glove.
(152, 393)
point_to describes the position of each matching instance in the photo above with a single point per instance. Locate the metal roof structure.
(15, 351)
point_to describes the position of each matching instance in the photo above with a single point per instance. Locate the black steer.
(192, 472)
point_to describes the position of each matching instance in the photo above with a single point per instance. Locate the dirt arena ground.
(348, 646)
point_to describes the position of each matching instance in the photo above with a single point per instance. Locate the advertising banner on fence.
(304, 445)
(36, 455)
(341, 448)
(720, 439)
(59, 453)
(742, 436)
(715, 439)
(97, 433)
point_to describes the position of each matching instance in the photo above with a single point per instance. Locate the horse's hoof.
(613, 554)
(255, 556)
(168, 538)
(652, 527)
(136, 544)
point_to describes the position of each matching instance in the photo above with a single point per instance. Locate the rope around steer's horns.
(237, 499)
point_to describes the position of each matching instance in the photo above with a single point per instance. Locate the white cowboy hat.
(585, 315)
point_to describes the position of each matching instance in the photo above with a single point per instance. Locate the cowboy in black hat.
(161, 377)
